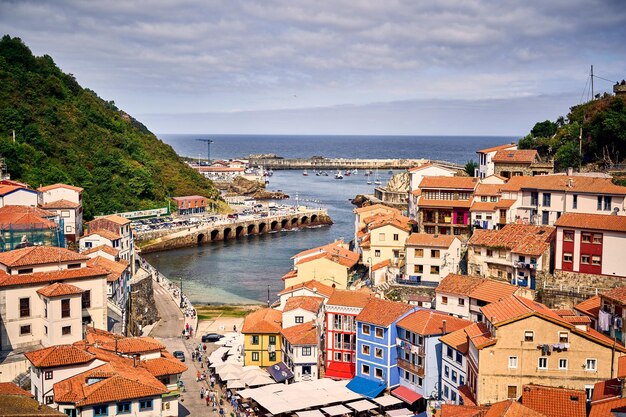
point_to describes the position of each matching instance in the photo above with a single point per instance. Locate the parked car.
(178, 354)
(211, 337)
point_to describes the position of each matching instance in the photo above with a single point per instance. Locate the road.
(172, 321)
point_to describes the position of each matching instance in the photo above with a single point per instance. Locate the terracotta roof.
(460, 183)
(577, 319)
(604, 409)
(604, 390)
(115, 219)
(488, 189)
(7, 188)
(350, 298)
(61, 204)
(511, 408)
(104, 248)
(320, 249)
(466, 395)
(459, 284)
(478, 334)
(555, 402)
(451, 410)
(383, 312)
(59, 289)
(313, 285)
(366, 209)
(482, 206)
(189, 198)
(525, 239)
(457, 340)
(617, 294)
(264, 320)
(9, 388)
(338, 255)
(445, 203)
(25, 219)
(498, 148)
(397, 220)
(491, 291)
(505, 203)
(621, 367)
(425, 239)
(59, 355)
(421, 167)
(55, 186)
(126, 345)
(27, 209)
(165, 365)
(301, 334)
(381, 265)
(430, 322)
(39, 255)
(7, 280)
(590, 306)
(291, 274)
(104, 233)
(115, 268)
(592, 222)
(571, 184)
(312, 304)
(519, 156)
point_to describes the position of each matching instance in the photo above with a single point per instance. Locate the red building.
(341, 310)
(192, 204)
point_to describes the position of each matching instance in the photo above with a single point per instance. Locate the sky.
(445, 67)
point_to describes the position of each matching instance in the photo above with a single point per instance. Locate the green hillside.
(66, 133)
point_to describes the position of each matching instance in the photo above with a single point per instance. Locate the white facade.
(299, 316)
(42, 380)
(486, 167)
(20, 197)
(302, 291)
(157, 408)
(415, 178)
(504, 264)
(433, 263)
(302, 360)
(453, 304)
(72, 216)
(453, 373)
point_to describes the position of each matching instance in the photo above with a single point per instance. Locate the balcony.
(408, 366)
(416, 349)
(345, 346)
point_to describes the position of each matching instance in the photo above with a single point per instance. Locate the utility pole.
(580, 148)
(592, 91)
(208, 152)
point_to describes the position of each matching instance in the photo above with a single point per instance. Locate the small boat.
(369, 182)
(270, 173)
(356, 171)
(390, 172)
(348, 173)
(338, 175)
(306, 174)
(377, 180)
(324, 174)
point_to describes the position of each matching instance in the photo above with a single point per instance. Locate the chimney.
(443, 326)
(570, 171)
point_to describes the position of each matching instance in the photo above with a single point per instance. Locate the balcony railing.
(345, 346)
(406, 365)
(416, 349)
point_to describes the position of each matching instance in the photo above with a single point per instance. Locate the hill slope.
(65, 133)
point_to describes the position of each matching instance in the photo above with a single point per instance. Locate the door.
(511, 391)
(545, 217)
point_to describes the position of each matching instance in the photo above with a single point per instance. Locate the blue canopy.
(280, 372)
(366, 387)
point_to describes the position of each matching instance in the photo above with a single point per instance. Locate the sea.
(246, 270)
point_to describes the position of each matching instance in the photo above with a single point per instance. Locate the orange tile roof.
(59, 289)
(555, 402)
(7, 280)
(421, 167)
(617, 294)
(505, 203)
(115, 219)
(397, 220)
(590, 306)
(291, 274)
(189, 198)
(481, 206)
(25, 220)
(381, 265)
(9, 388)
(27, 209)
(592, 222)
(319, 249)
(604, 409)
(126, 345)
(339, 255)
(519, 156)
(313, 285)
(115, 268)
(59, 185)
(511, 408)
(466, 395)
(39, 255)
(264, 320)
(435, 241)
(312, 304)
(104, 233)
(445, 203)
(525, 239)
(104, 248)
(59, 355)
(604, 390)
(459, 284)
(458, 183)
(301, 334)
(478, 334)
(457, 340)
(7, 188)
(487, 189)
(430, 322)
(491, 291)
(61, 204)
(498, 148)
(165, 365)
(577, 319)
(348, 298)
(570, 184)
(451, 410)
(383, 312)
(365, 209)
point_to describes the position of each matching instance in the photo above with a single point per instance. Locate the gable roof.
(115, 268)
(498, 148)
(458, 284)
(487, 189)
(571, 184)
(435, 241)
(7, 280)
(555, 402)
(264, 320)
(461, 183)
(165, 365)
(60, 204)
(116, 343)
(605, 408)
(312, 285)
(113, 218)
(349, 298)
(383, 312)
(18, 217)
(366, 209)
(431, 322)
(398, 221)
(104, 248)
(515, 156)
(312, 304)
(479, 335)
(39, 255)
(104, 233)
(338, 255)
(592, 222)
(429, 165)
(9, 188)
(301, 334)
(453, 410)
(526, 239)
(617, 294)
(457, 340)
(59, 185)
(511, 408)
(59, 355)
(59, 289)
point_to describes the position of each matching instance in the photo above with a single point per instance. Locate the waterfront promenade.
(343, 163)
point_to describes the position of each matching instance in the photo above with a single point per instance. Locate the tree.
(544, 129)
(471, 167)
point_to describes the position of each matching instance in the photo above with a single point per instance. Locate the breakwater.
(320, 163)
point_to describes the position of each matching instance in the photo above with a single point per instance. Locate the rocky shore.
(248, 188)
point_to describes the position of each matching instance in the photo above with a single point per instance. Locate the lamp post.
(369, 270)
(181, 292)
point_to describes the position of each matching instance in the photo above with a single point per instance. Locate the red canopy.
(406, 395)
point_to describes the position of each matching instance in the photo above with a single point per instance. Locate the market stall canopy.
(280, 372)
(362, 405)
(336, 410)
(406, 395)
(402, 412)
(387, 400)
(235, 384)
(310, 413)
(366, 387)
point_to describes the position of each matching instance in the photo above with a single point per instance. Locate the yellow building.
(262, 339)
(385, 239)
(524, 342)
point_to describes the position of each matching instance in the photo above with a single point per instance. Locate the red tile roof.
(511, 408)
(519, 156)
(126, 345)
(564, 183)
(505, 203)
(7, 280)
(383, 312)
(61, 204)
(189, 198)
(482, 289)
(519, 238)
(301, 334)
(430, 322)
(604, 409)
(59, 355)
(555, 402)
(457, 183)
(349, 298)
(27, 209)
(590, 306)
(425, 239)
(107, 234)
(115, 219)
(9, 388)
(451, 410)
(59, 289)
(381, 265)
(482, 206)
(58, 185)
(366, 209)
(115, 268)
(39, 255)
(616, 294)
(264, 320)
(398, 221)
(165, 365)
(445, 203)
(320, 249)
(478, 334)
(604, 390)
(312, 304)
(459, 284)
(338, 255)
(457, 340)
(25, 220)
(592, 222)
(313, 285)
(498, 148)
(104, 248)
(7, 188)
(487, 189)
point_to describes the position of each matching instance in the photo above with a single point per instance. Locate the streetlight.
(369, 273)
(181, 292)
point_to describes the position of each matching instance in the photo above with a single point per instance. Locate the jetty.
(231, 229)
(275, 162)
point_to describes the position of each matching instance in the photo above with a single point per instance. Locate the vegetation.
(210, 312)
(65, 133)
(471, 167)
(603, 123)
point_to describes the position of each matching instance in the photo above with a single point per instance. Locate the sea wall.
(142, 307)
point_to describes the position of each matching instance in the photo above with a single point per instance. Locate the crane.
(208, 151)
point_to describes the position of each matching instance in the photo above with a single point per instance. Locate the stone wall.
(142, 307)
(526, 170)
(566, 289)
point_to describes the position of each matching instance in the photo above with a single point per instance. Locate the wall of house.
(323, 270)
(54, 324)
(299, 292)
(459, 368)
(21, 197)
(383, 243)
(383, 362)
(289, 317)
(448, 261)
(45, 386)
(155, 411)
(345, 367)
(262, 349)
(450, 304)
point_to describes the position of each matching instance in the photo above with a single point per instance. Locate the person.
(234, 327)
(212, 382)
(201, 393)
(207, 399)
(198, 376)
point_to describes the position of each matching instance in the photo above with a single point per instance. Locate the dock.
(320, 163)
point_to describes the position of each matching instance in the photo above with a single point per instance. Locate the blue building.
(376, 351)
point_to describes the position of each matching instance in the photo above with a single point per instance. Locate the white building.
(67, 201)
(485, 165)
(311, 288)
(415, 178)
(301, 350)
(119, 228)
(303, 309)
(431, 257)
(17, 194)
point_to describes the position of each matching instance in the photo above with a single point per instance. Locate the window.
(255, 356)
(25, 271)
(145, 405)
(365, 349)
(584, 259)
(563, 337)
(449, 352)
(299, 319)
(419, 253)
(24, 307)
(347, 357)
(306, 351)
(459, 357)
(123, 408)
(597, 239)
(454, 376)
(88, 245)
(377, 253)
(562, 363)
(24, 330)
(434, 269)
(49, 399)
(86, 299)
(378, 373)
(444, 300)
(511, 391)
(542, 363)
(591, 365)
(379, 332)
(100, 410)
(446, 391)
(45, 330)
(534, 198)
(599, 207)
(446, 371)
(586, 238)
(272, 340)
(568, 235)
(529, 336)
(381, 237)
(337, 357)
(418, 269)
(434, 253)
(396, 237)
(596, 260)
(378, 352)
(461, 380)
(512, 362)
(366, 329)
(48, 375)
(66, 330)
(568, 257)
(483, 198)
(255, 339)
(607, 203)
(547, 197)
(65, 308)
(365, 369)
(575, 201)
(489, 252)
(461, 301)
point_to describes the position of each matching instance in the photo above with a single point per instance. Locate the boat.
(369, 182)
(348, 173)
(338, 175)
(317, 174)
(377, 180)
(390, 172)
(270, 173)
(356, 171)
(306, 174)
(325, 174)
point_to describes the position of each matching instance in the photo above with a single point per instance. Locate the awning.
(366, 387)
(336, 410)
(339, 370)
(280, 372)
(402, 412)
(387, 400)
(406, 395)
(310, 413)
(362, 405)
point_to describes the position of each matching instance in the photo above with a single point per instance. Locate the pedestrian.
(198, 376)
(207, 400)
(202, 393)
(234, 327)
(212, 382)
(187, 326)
(204, 347)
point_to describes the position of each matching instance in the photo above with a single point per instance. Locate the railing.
(406, 365)
(345, 346)
(416, 349)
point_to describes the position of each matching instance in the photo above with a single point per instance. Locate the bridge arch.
(215, 233)
(314, 218)
(284, 223)
(227, 233)
(304, 220)
(239, 231)
(262, 228)
(294, 221)
(251, 229)
(200, 239)
(273, 225)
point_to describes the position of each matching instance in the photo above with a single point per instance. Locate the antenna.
(208, 151)
(592, 92)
